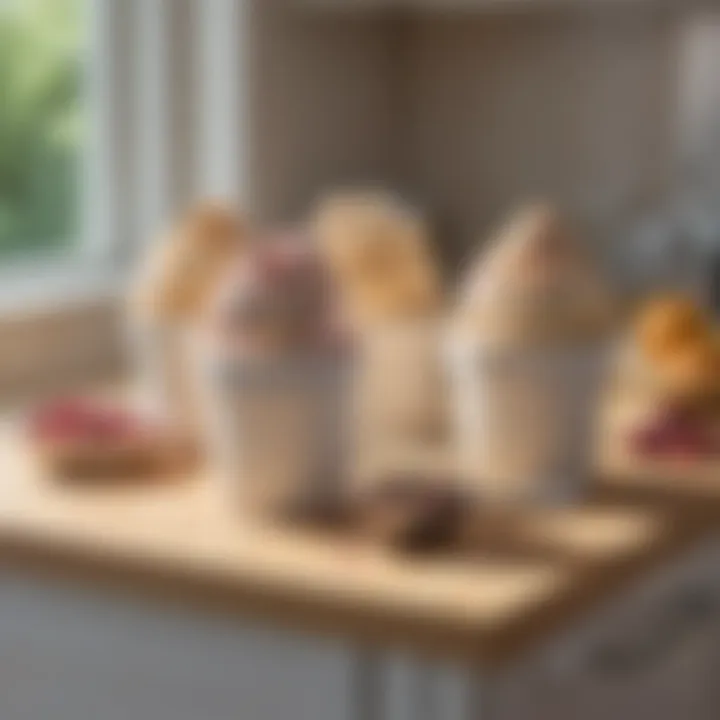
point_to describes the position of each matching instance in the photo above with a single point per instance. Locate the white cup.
(276, 429)
(524, 419)
(162, 356)
(401, 382)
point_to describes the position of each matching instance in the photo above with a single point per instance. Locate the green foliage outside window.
(41, 69)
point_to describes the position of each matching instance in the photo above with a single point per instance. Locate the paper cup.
(523, 420)
(162, 356)
(277, 429)
(401, 382)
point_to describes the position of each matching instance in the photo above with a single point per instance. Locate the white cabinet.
(74, 655)
(653, 654)
(650, 654)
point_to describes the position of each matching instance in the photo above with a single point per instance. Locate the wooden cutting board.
(524, 576)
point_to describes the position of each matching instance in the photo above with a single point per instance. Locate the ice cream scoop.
(276, 298)
(535, 285)
(275, 379)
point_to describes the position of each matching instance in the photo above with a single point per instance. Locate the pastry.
(680, 349)
(667, 323)
(378, 251)
(167, 303)
(183, 267)
(534, 285)
(691, 371)
(526, 355)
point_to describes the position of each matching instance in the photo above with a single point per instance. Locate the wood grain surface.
(525, 575)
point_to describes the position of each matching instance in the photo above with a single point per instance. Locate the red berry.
(675, 432)
(80, 420)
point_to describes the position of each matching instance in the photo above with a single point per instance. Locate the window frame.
(165, 126)
(59, 311)
(93, 261)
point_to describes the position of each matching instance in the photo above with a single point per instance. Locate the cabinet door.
(66, 654)
(672, 685)
(652, 655)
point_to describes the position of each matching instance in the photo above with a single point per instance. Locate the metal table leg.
(425, 699)
(461, 694)
(458, 693)
(368, 686)
(481, 697)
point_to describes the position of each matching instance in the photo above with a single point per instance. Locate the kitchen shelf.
(490, 5)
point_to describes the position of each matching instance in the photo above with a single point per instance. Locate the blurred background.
(117, 114)
(42, 133)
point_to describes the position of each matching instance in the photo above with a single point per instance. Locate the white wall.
(468, 113)
(579, 108)
(700, 93)
(321, 105)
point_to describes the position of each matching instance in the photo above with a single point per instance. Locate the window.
(42, 52)
(114, 114)
(106, 131)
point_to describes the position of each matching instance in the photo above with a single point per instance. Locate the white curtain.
(165, 77)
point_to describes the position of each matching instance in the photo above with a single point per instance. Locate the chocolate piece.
(414, 515)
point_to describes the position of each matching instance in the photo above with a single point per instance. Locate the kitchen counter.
(527, 575)
(178, 606)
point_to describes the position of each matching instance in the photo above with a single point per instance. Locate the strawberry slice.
(674, 432)
(80, 420)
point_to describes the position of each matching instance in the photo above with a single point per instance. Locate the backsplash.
(469, 114)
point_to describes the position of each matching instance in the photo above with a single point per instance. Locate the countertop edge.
(135, 577)
(369, 627)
